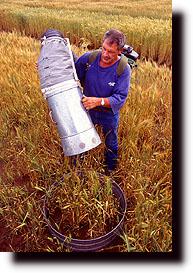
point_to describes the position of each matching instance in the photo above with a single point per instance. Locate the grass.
(76, 201)
(31, 156)
(146, 24)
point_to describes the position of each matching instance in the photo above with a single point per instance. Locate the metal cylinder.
(61, 89)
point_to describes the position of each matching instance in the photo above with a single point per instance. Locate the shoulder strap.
(93, 55)
(122, 64)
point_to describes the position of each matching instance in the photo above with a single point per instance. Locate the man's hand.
(90, 102)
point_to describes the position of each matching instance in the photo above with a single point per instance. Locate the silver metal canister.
(61, 89)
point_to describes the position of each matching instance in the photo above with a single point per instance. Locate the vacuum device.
(60, 87)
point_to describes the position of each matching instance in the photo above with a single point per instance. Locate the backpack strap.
(121, 66)
(93, 55)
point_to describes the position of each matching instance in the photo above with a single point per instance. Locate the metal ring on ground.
(96, 243)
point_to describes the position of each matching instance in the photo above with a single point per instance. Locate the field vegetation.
(31, 156)
(147, 24)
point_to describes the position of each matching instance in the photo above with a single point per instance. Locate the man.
(105, 91)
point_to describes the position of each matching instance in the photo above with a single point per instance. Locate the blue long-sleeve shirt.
(104, 82)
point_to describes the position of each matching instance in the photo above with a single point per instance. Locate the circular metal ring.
(94, 244)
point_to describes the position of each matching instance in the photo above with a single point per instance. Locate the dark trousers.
(109, 123)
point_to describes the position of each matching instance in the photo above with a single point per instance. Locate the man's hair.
(115, 36)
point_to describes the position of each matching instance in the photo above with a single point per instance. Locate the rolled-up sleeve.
(121, 90)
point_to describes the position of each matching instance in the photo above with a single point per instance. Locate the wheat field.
(31, 156)
(146, 24)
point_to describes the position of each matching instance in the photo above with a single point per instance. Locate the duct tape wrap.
(95, 244)
(59, 85)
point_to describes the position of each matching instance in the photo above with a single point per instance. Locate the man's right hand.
(90, 102)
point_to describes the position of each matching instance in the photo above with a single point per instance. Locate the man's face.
(110, 52)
